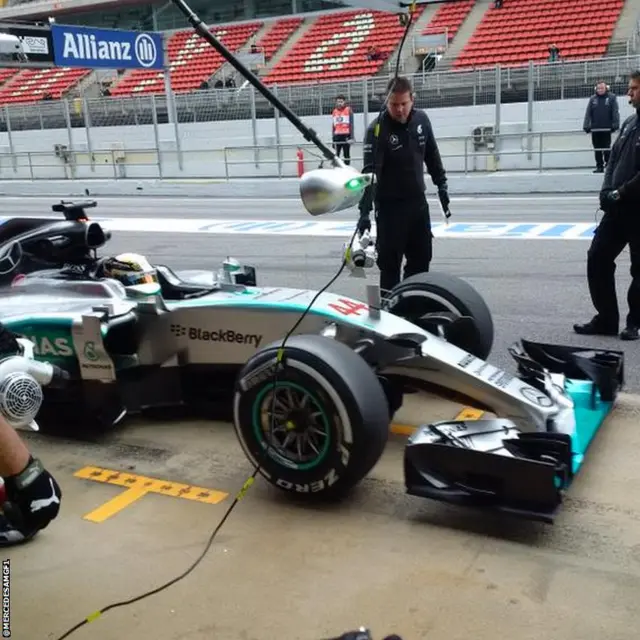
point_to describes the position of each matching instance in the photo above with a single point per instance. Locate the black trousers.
(403, 231)
(601, 140)
(615, 231)
(341, 145)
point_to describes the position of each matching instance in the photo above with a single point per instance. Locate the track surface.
(395, 563)
(536, 288)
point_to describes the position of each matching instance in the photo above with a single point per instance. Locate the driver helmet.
(134, 271)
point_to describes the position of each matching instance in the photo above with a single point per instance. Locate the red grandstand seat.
(450, 17)
(522, 30)
(192, 61)
(31, 85)
(278, 34)
(335, 48)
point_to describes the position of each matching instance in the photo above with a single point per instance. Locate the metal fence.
(496, 85)
(463, 154)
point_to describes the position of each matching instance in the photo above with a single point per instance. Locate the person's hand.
(32, 499)
(364, 223)
(587, 129)
(609, 200)
(443, 195)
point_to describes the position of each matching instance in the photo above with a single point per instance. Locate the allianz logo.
(83, 46)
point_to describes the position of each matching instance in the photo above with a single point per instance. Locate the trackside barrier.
(540, 151)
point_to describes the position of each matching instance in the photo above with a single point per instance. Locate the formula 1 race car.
(339, 376)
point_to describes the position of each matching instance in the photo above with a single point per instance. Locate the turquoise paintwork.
(589, 418)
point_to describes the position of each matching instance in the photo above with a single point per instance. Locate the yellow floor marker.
(137, 487)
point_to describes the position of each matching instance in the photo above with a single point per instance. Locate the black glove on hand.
(608, 200)
(443, 194)
(33, 501)
(364, 223)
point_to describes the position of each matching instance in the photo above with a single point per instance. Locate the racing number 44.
(347, 307)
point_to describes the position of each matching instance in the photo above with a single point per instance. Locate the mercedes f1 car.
(314, 414)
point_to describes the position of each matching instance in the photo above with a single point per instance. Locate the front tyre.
(328, 424)
(446, 305)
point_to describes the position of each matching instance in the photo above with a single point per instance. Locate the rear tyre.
(448, 306)
(328, 426)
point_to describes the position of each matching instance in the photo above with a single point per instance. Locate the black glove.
(609, 199)
(364, 223)
(9, 346)
(443, 194)
(32, 502)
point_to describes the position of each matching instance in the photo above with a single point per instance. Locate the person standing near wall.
(601, 119)
(620, 225)
(342, 128)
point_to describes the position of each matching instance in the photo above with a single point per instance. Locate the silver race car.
(312, 379)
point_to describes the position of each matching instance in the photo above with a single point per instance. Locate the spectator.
(554, 53)
(602, 118)
(497, 4)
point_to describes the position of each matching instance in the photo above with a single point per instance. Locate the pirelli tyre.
(446, 305)
(329, 423)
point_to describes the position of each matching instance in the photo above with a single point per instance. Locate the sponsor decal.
(227, 336)
(537, 397)
(51, 346)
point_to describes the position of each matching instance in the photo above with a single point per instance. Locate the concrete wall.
(203, 157)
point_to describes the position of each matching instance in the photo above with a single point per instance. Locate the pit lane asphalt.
(535, 288)
(395, 563)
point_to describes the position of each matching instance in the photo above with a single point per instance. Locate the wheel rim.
(418, 305)
(301, 434)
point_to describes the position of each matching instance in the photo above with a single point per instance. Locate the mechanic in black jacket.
(396, 150)
(620, 225)
(601, 119)
(32, 496)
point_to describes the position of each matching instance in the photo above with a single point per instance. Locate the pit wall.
(211, 150)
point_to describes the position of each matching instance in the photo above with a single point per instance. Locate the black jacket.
(397, 154)
(623, 170)
(602, 113)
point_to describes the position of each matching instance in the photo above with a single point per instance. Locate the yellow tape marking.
(468, 413)
(137, 487)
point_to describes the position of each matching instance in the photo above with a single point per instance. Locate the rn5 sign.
(106, 48)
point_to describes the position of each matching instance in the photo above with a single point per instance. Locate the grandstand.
(334, 46)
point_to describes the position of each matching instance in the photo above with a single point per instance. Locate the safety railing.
(526, 83)
(520, 151)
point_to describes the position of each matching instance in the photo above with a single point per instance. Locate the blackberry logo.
(228, 336)
(178, 330)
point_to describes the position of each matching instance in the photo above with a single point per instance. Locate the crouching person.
(31, 494)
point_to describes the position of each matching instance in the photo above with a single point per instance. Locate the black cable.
(249, 481)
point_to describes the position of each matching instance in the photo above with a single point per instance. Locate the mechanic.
(620, 225)
(396, 150)
(31, 494)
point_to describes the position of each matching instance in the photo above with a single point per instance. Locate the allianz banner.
(106, 48)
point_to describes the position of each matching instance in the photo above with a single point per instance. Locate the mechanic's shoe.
(630, 333)
(598, 170)
(595, 327)
(10, 536)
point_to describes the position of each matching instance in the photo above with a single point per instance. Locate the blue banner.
(106, 48)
